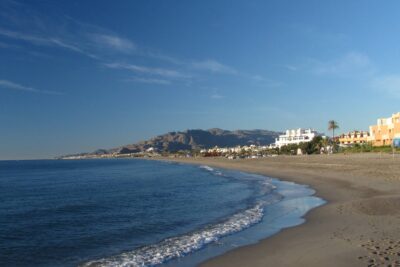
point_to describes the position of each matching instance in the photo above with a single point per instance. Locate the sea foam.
(179, 246)
(208, 168)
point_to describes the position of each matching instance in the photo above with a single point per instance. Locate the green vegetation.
(290, 149)
(360, 148)
(320, 145)
(317, 145)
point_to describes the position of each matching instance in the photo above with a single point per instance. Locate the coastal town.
(382, 136)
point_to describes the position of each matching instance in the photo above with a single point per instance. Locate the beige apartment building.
(354, 137)
(386, 129)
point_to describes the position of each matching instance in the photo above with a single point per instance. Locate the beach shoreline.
(359, 225)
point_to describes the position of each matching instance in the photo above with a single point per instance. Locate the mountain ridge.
(192, 139)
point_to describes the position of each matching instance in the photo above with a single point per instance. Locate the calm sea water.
(136, 213)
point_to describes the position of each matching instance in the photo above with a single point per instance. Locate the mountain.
(196, 139)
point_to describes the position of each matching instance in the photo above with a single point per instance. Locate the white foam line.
(208, 168)
(181, 245)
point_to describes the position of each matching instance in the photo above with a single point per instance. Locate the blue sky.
(80, 75)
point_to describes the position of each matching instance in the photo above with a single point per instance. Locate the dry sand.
(359, 226)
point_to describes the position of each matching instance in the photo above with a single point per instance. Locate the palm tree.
(332, 125)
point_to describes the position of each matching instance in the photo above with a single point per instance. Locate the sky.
(76, 75)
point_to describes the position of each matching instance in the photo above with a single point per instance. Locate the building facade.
(295, 136)
(354, 137)
(385, 131)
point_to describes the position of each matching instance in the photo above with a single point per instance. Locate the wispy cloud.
(6, 45)
(63, 44)
(291, 67)
(318, 36)
(166, 58)
(217, 96)
(18, 87)
(388, 84)
(345, 65)
(147, 70)
(213, 66)
(105, 46)
(355, 64)
(43, 41)
(25, 37)
(149, 80)
(266, 81)
(105, 41)
(113, 42)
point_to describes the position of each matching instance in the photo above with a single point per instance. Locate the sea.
(132, 212)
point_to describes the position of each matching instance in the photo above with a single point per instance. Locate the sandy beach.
(359, 226)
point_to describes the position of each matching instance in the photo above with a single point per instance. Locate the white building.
(296, 136)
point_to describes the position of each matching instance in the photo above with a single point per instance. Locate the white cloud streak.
(5, 45)
(388, 84)
(25, 37)
(113, 42)
(149, 80)
(150, 71)
(291, 67)
(18, 87)
(355, 64)
(266, 81)
(43, 41)
(213, 66)
(348, 64)
(217, 96)
(102, 45)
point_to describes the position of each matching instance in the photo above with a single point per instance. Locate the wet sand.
(359, 226)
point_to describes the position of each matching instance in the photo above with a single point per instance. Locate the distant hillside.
(196, 139)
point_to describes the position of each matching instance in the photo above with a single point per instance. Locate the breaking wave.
(179, 246)
(208, 168)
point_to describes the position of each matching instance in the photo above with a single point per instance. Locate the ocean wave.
(208, 168)
(179, 246)
(264, 183)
